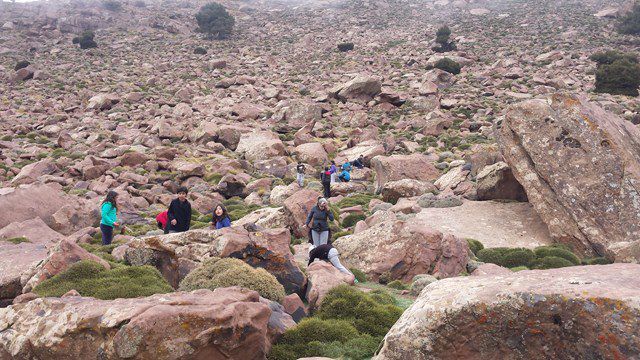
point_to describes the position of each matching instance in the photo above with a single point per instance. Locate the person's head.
(361, 157)
(323, 203)
(112, 197)
(182, 193)
(326, 168)
(333, 162)
(220, 212)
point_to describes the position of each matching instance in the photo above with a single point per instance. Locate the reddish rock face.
(227, 323)
(398, 167)
(580, 167)
(323, 277)
(574, 312)
(409, 248)
(297, 207)
(497, 182)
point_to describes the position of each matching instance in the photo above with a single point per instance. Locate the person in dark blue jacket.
(321, 215)
(220, 217)
(179, 213)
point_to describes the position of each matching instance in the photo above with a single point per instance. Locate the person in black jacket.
(179, 213)
(327, 252)
(325, 179)
(321, 215)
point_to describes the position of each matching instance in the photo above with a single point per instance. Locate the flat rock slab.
(492, 223)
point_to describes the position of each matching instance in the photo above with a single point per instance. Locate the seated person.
(327, 252)
(359, 162)
(344, 176)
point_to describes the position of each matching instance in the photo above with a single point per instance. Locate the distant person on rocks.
(321, 215)
(325, 179)
(359, 162)
(347, 167)
(327, 252)
(333, 169)
(162, 220)
(344, 176)
(300, 170)
(220, 217)
(179, 213)
(109, 217)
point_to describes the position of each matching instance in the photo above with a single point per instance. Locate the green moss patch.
(217, 273)
(91, 279)
(18, 240)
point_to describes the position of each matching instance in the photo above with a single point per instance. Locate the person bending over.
(327, 252)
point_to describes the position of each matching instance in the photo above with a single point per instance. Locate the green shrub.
(448, 65)
(474, 245)
(86, 40)
(359, 348)
(506, 257)
(551, 262)
(382, 297)
(237, 209)
(339, 234)
(397, 284)
(112, 5)
(352, 219)
(91, 279)
(200, 51)
(610, 56)
(356, 199)
(519, 268)
(385, 278)
(214, 20)
(21, 65)
(359, 274)
(366, 314)
(630, 23)
(442, 39)
(545, 251)
(17, 240)
(622, 77)
(215, 273)
(344, 47)
(597, 261)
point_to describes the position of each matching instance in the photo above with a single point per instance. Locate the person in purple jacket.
(220, 217)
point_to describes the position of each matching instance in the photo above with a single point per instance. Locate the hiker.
(347, 167)
(109, 217)
(344, 176)
(325, 179)
(162, 220)
(220, 217)
(333, 169)
(320, 228)
(179, 213)
(327, 252)
(300, 174)
(359, 162)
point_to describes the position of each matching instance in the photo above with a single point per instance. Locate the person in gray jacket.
(320, 215)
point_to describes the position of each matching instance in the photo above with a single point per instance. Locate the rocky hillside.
(512, 164)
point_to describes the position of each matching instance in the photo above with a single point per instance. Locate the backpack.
(325, 177)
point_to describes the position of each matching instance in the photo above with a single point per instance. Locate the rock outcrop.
(227, 323)
(323, 277)
(580, 167)
(399, 167)
(403, 249)
(569, 313)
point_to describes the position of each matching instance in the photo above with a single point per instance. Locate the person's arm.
(188, 215)
(171, 212)
(335, 261)
(226, 222)
(329, 213)
(309, 217)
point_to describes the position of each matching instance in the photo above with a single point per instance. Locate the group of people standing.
(177, 218)
(331, 174)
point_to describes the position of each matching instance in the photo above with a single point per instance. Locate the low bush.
(338, 234)
(398, 285)
(21, 65)
(344, 47)
(361, 310)
(448, 65)
(545, 251)
(617, 73)
(200, 51)
(91, 279)
(519, 268)
(551, 262)
(352, 219)
(215, 273)
(506, 257)
(474, 245)
(630, 23)
(359, 274)
(17, 240)
(597, 261)
(354, 200)
(214, 20)
(85, 40)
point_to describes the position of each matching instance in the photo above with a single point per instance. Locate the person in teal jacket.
(109, 218)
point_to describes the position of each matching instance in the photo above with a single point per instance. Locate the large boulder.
(398, 167)
(227, 323)
(63, 213)
(297, 208)
(296, 114)
(569, 313)
(312, 153)
(102, 101)
(580, 167)
(394, 190)
(33, 171)
(402, 249)
(175, 255)
(368, 149)
(260, 145)
(323, 277)
(361, 88)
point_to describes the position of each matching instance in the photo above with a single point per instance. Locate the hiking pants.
(107, 234)
(319, 238)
